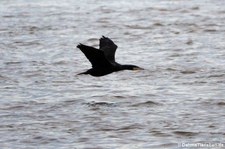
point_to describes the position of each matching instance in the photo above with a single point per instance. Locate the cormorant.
(103, 59)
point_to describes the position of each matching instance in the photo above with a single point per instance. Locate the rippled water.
(179, 97)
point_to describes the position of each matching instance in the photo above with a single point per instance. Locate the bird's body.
(103, 59)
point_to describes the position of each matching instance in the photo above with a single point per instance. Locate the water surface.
(179, 97)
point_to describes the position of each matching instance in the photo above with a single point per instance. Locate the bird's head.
(131, 67)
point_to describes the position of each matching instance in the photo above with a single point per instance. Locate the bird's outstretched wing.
(109, 48)
(95, 56)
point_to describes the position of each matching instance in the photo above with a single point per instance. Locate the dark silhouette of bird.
(103, 59)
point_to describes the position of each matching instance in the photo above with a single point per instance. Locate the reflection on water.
(179, 97)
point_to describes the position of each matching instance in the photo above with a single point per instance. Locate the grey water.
(178, 98)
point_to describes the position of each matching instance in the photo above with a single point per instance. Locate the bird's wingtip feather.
(103, 37)
(79, 45)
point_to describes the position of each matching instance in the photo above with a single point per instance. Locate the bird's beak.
(138, 68)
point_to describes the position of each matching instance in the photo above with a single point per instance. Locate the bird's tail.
(82, 73)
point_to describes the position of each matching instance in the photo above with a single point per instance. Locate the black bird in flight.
(103, 59)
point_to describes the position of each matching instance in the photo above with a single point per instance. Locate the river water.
(179, 98)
